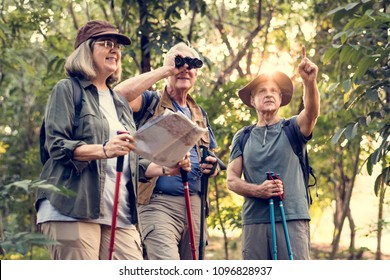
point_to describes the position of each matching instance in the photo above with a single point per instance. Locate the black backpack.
(297, 148)
(77, 96)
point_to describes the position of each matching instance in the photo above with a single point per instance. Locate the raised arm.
(132, 88)
(311, 97)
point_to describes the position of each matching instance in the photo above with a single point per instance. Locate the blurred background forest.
(348, 40)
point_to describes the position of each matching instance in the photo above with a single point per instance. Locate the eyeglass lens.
(109, 44)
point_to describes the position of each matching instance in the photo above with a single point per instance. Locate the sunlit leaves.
(21, 242)
(56, 65)
(28, 186)
(330, 54)
(337, 135)
(364, 64)
(350, 132)
(347, 85)
(382, 180)
(361, 51)
(372, 95)
(365, 120)
(333, 87)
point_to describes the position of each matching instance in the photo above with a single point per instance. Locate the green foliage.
(383, 178)
(37, 36)
(17, 237)
(230, 217)
(362, 45)
(20, 245)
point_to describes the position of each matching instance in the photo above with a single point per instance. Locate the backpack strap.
(150, 110)
(301, 153)
(244, 136)
(205, 117)
(294, 140)
(298, 149)
(43, 153)
(77, 96)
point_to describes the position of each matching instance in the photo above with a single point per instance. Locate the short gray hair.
(182, 47)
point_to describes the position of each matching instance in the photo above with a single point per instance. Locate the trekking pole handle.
(120, 159)
(272, 176)
(204, 154)
(184, 175)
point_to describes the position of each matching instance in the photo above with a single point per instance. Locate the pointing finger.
(303, 52)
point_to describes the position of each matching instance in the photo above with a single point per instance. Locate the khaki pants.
(89, 241)
(164, 227)
(257, 241)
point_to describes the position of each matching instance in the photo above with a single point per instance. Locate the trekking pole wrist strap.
(104, 149)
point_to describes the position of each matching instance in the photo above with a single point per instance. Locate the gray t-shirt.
(268, 150)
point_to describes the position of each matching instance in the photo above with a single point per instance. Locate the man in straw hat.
(268, 150)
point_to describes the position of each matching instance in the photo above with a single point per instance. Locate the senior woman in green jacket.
(83, 158)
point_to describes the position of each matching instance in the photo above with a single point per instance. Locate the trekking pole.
(272, 176)
(119, 170)
(203, 195)
(184, 177)
(273, 230)
(290, 255)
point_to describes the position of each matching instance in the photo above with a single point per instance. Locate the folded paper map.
(166, 138)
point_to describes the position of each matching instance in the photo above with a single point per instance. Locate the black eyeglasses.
(109, 44)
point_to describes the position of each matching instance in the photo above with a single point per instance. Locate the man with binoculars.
(162, 207)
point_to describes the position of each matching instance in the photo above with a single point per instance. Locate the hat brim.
(281, 79)
(122, 39)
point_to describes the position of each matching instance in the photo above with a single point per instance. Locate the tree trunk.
(144, 38)
(345, 199)
(2, 251)
(378, 253)
(339, 190)
(225, 238)
(352, 227)
(381, 195)
(243, 49)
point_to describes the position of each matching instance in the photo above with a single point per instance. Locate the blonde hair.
(80, 64)
(181, 47)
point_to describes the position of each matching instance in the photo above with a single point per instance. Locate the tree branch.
(249, 40)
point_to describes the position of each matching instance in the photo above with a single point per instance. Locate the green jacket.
(84, 179)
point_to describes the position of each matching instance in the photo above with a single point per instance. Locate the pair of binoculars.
(191, 62)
